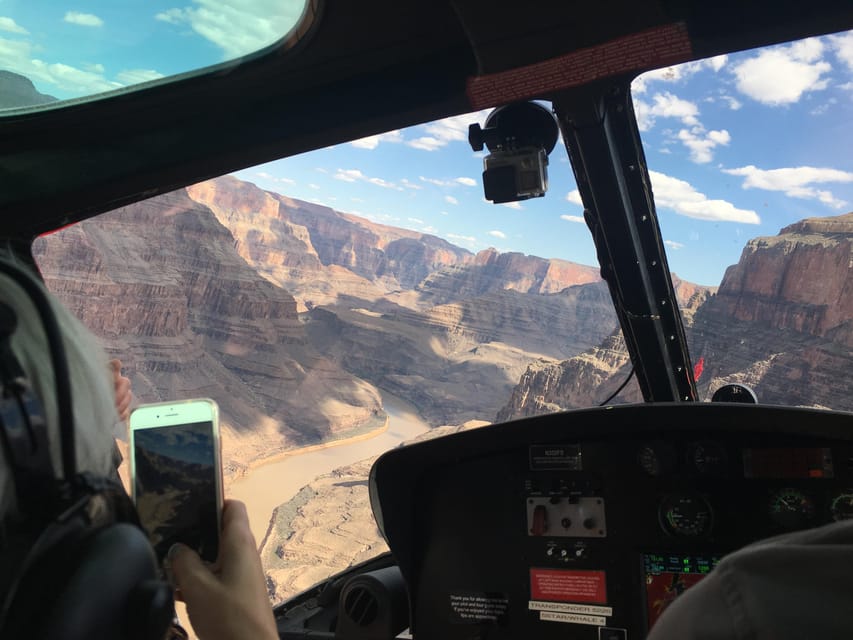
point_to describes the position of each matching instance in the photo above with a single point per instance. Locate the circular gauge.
(708, 458)
(791, 508)
(685, 515)
(657, 458)
(841, 506)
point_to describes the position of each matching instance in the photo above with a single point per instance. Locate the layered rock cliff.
(315, 252)
(493, 271)
(781, 322)
(162, 284)
(459, 361)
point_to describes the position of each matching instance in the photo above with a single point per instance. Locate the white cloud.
(238, 27)
(641, 113)
(795, 182)
(717, 62)
(137, 76)
(172, 16)
(467, 240)
(426, 143)
(673, 244)
(823, 108)
(847, 86)
(371, 142)
(842, 45)
(272, 178)
(442, 132)
(781, 75)
(677, 73)
(437, 182)
(379, 182)
(7, 24)
(734, 103)
(451, 200)
(701, 143)
(83, 19)
(574, 196)
(680, 197)
(498, 234)
(569, 218)
(468, 182)
(314, 186)
(353, 175)
(415, 220)
(667, 105)
(512, 205)
(666, 74)
(349, 175)
(410, 185)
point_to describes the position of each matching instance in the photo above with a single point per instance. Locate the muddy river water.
(271, 484)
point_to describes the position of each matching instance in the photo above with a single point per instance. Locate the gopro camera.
(520, 137)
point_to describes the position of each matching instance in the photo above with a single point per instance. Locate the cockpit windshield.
(341, 302)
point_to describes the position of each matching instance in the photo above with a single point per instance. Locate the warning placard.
(568, 586)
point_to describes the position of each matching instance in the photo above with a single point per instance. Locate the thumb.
(191, 574)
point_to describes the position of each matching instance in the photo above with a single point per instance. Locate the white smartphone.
(176, 474)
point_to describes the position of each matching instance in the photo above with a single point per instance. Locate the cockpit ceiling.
(363, 68)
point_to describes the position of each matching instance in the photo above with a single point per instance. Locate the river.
(271, 484)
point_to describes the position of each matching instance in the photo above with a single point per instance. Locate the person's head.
(74, 562)
(91, 387)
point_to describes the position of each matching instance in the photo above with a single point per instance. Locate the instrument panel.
(588, 524)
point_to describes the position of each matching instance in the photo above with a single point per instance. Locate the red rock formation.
(781, 322)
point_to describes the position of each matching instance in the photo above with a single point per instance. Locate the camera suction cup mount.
(516, 126)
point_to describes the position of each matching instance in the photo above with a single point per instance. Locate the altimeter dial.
(685, 515)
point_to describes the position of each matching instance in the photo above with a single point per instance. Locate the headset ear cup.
(110, 591)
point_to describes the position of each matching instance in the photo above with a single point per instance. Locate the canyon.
(292, 315)
(781, 322)
(296, 318)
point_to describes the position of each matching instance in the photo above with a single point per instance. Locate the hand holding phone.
(176, 474)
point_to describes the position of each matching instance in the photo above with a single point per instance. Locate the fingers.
(123, 393)
(193, 578)
(238, 553)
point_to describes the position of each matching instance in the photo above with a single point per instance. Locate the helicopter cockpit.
(330, 321)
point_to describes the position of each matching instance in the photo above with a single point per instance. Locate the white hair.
(92, 389)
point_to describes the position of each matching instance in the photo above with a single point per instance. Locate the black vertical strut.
(603, 142)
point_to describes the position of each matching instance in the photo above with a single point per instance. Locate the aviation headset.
(76, 563)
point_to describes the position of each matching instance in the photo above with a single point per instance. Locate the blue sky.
(738, 146)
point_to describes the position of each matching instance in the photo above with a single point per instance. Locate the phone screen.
(175, 485)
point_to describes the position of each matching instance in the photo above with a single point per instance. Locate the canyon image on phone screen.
(176, 488)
